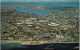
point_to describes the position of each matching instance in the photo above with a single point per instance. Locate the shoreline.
(32, 42)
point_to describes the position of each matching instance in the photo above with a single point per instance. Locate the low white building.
(60, 38)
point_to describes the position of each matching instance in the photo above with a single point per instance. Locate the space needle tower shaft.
(53, 17)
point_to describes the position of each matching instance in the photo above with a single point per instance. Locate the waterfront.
(39, 47)
(31, 24)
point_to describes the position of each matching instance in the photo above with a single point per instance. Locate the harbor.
(51, 46)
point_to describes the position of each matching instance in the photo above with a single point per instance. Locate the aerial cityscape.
(39, 23)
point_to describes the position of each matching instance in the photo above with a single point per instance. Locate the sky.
(38, 0)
